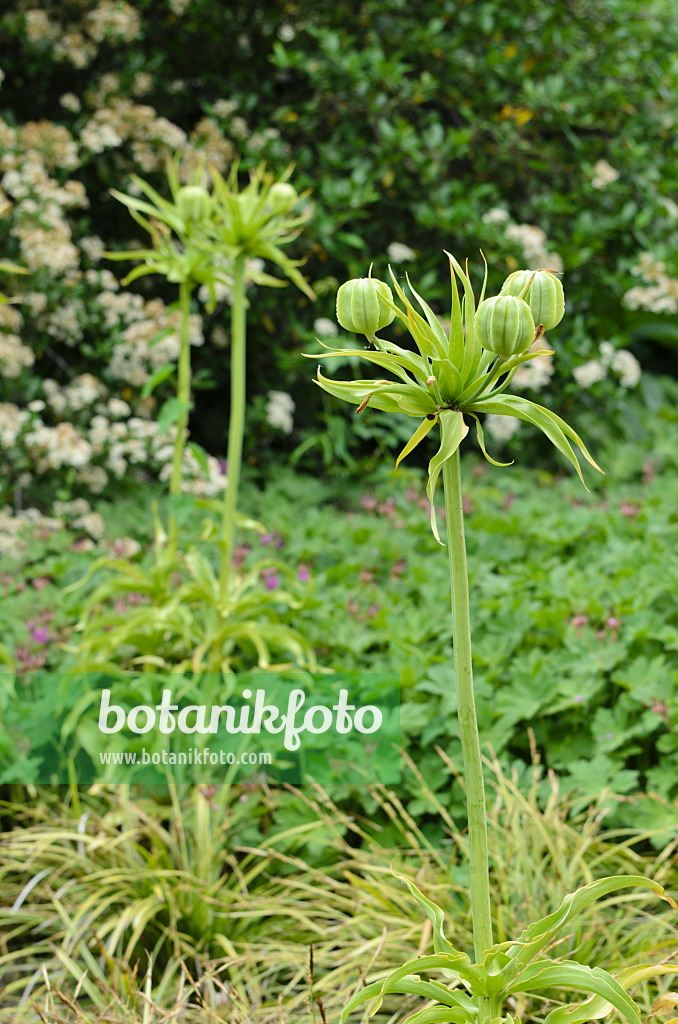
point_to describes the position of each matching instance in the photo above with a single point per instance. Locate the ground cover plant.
(568, 596)
(92, 879)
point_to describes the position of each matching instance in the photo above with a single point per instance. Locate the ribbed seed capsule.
(544, 295)
(361, 306)
(193, 203)
(504, 325)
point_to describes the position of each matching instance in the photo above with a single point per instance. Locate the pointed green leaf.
(433, 913)
(481, 442)
(453, 431)
(420, 433)
(542, 932)
(441, 1015)
(456, 346)
(413, 400)
(433, 320)
(458, 965)
(356, 391)
(424, 336)
(570, 975)
(408, 986)
(388, 362)
(472, 347)
(481, 384)
(597, 1006)
(171, 412)
(160, 375)
(512, 405)
(417, 365)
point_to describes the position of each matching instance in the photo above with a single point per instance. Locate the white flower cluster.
(110, 21)
(279, 409)
(153, 138)
(620, 361)
(194, 480)
(398, 252)
(325, 327)
(536, 373)
(14, 524)
(54, 447)
(501, 428)
(12, 422)
(532, 241)
(603, 174)
(497, 215)
(79, 394)
(134, 360)
(14, 355)
(661, 292)
(113, 20)
(38, 220)
(529, 238)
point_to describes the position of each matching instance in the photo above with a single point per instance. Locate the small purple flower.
(40, 634)
(303, 575)
(609, 735)
(578, 699)
(266, 539)
(223, 467)
(613, 623)
(272, 582)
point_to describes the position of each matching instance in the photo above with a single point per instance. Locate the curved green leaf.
(383, 359)
(597, 1006)
(457, 965)
(481, 442)
(453, 431)
(548, 423)
(433, 321)
(440, 1015)
(571, 975)
(412, 986)
(539, 934)
(420, 433)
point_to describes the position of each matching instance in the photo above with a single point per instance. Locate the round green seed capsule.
(281, 197)
(361, 306)
(543, 293)
(504, 325)
(193, 203)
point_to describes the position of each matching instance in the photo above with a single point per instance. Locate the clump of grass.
(147, 913)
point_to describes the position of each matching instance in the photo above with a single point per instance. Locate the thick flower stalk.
(251, 223)
(452, 375)
(183, 253)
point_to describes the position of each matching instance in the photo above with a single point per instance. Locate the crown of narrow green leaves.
(450, 376)
(253, 222)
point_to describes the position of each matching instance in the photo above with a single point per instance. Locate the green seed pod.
(361, 306)
(504, 325)
(281, 197)
(543, 293)
(193, 203)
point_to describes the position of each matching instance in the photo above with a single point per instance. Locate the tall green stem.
(470, 744)
(236, 424)
(184, 396)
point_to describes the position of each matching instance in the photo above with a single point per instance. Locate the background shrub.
(539, 135)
